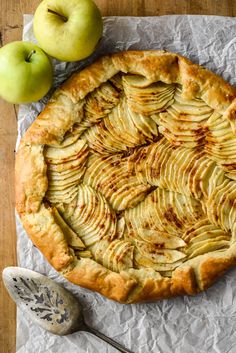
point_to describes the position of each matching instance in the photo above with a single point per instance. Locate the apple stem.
(32, 52)
(58, 14)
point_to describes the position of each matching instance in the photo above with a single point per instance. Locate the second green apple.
(68, 30)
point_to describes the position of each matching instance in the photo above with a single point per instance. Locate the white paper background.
(205, 323)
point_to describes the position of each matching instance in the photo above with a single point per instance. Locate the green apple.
(68, 30)
(25, 72)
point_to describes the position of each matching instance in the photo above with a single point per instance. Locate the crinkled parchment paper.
(205, 323)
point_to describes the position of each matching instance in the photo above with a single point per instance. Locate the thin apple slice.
(198, 228)
(120, 130)
(156, 237)
(118, 256)
(213, 203)
(111, 176)
(62, 154)
(184, 123)
(210, 234)
(142, 261)
(147, 99)
(221, 142)
(72, 238)
(56, 197)
(100, 103)
(209, 246)
(92, 218)
(158, 255)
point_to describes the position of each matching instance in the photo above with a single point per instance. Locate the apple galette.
(127, 179)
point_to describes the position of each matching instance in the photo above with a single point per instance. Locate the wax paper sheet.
(205, 323)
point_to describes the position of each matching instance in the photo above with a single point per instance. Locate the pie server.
(49, 305)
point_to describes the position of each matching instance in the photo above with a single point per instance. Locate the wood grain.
(11, 29)
(167, 7)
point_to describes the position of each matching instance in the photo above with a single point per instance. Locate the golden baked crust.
(70, 142)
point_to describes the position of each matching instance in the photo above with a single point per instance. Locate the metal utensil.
(49, 305)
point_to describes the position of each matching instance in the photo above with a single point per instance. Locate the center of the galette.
(137, 183)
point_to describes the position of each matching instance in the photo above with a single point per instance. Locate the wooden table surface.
(11, 29)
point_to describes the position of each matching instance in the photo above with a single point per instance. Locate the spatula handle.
(106, 339)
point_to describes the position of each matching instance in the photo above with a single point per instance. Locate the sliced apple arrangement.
(65, 30)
